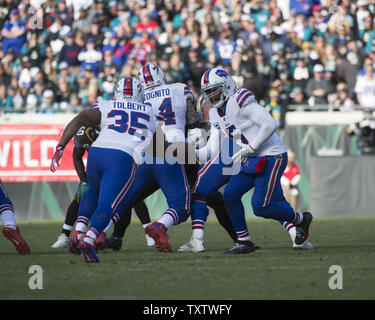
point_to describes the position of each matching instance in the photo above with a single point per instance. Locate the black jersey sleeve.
(85, 136)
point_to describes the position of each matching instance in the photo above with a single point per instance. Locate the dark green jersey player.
(83, 139)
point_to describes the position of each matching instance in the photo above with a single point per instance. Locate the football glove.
(245, 152)
(56, 157)
(82, 189)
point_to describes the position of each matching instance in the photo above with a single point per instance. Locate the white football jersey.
(125, 125)
(168, 103)
(242, 114)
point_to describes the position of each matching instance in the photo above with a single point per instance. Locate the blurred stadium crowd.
(61, 56)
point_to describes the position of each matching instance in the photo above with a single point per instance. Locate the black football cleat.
(302, 230)
(249, 243)
(242, 247)
(113, 243)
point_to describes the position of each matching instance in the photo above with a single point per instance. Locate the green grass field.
(140, 272)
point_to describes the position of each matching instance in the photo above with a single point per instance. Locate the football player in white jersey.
(127, 125)
(151, 176)
(212, 176)
(263, 157)
(172, 105)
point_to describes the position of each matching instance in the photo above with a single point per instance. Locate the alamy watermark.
(336, 280)
(36, 280)
(35, 18)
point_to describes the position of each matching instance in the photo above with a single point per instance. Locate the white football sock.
(81, 227)
(67, 227)
(166, 219)
(198, 228)
(243, 235)
(198, 233)
(244, 238)
(8, 219)
(91, 235)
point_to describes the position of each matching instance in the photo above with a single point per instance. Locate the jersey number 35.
(122, 121)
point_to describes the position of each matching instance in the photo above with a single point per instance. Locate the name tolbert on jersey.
(129, 105)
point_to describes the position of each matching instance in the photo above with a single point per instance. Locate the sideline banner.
(26, 150)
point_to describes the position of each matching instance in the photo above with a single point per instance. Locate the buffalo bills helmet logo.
(222, 73)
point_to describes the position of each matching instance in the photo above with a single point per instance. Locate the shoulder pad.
(242, 96)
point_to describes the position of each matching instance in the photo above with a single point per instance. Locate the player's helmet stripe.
(205, 79)
(147, 74)
(128, 88)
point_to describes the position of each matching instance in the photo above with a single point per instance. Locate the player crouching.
(127, 125)
(262, 157)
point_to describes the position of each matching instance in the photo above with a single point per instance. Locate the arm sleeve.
(212, 147)
(259, 116)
